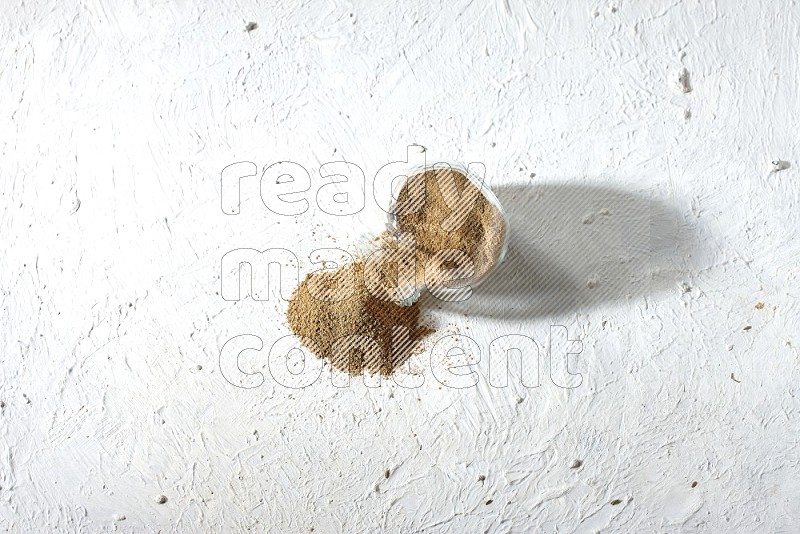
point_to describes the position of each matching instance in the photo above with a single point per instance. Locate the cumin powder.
(338, 318)
(352, 316)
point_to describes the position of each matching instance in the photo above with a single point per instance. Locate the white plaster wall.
(118, 118)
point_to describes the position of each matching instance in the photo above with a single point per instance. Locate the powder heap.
(339, 318)
(352, 316)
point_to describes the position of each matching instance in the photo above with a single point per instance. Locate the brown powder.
(338, 318)
(444, 210)
(352, 316)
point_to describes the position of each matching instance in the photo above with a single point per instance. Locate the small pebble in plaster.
(685, 288)
(683, 82)
(592, 283)
(576, 464)
(386, 473)
(533, 175)
(490, 501)
(734, 379)
(119, 517)
(759, 305)
(613, 9)
(251, 26)
(687, 114)
(780, 165)
(605, 212)
(494, 144)
(694, 484)
(747, 327)
(588, 219)
(160, 499)
(596, 13)
(614, 502)
(481, 478)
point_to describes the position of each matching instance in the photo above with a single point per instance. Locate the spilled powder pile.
(351, 316)
(343, 321)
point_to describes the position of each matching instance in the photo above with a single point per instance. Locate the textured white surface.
(117, 120)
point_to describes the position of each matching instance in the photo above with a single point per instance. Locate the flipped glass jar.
(495, 231)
